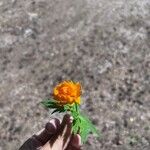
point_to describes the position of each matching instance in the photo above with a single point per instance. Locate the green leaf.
(76, 126)
(91, 126)
(68, 107)
(60, 110)
(52, 104)
(83, 126)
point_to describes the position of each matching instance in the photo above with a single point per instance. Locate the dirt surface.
(103, 44)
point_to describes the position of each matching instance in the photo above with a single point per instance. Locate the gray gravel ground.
(101, 43)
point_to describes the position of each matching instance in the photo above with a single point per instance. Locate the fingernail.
(71, 119)
(53, 122)
(79, 139)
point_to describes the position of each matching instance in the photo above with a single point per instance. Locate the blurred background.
(103, 44)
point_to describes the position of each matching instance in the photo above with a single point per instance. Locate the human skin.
(55, 136)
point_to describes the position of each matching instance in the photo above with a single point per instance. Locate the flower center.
(65, 90)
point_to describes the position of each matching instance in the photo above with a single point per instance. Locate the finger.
(66, 129)
(30, 144)
(75, 143)
(66, 124)
(50, 129)
(63, 134)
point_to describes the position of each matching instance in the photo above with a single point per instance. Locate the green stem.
(76, 106)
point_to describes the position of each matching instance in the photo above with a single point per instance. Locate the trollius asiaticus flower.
(67, 92)
(66, 97)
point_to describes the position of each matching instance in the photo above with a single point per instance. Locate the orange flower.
(67, 92)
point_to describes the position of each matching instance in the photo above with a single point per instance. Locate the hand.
(55, 136)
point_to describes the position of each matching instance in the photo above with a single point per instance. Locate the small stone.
(132, 119)
(1, 3)
(28, 32)
(32, 16)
